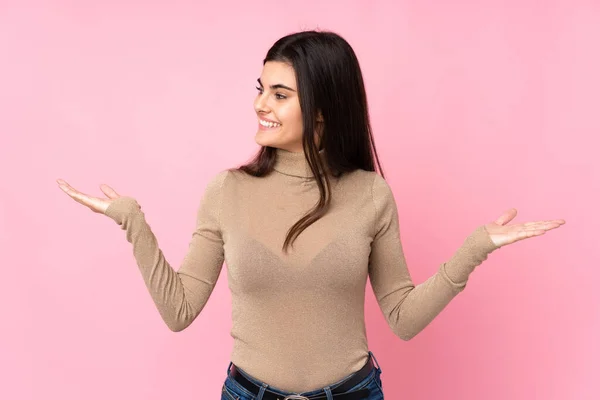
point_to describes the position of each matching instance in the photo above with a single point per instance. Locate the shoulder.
(216, 182)
(373, 186)
(228, 176)
(361, 177)
(368, 182)
(370, 179)
(229, 181)
(381, 192)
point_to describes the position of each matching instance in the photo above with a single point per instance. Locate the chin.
(275, 141)
(260, 139)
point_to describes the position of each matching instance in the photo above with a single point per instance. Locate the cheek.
(293, 118)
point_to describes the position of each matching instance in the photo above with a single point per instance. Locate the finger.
(547, 225)
(109, 192)
(553, 226)
(74, 194)
(549, 221)
(524, 234)
(508, 216)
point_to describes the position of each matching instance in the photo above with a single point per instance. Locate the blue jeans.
(232, 390)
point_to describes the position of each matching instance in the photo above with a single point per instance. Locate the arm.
(179, 295)
(407, 308)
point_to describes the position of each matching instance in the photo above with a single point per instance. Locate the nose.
(260, 105)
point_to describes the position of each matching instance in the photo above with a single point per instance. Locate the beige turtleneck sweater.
(298, 318)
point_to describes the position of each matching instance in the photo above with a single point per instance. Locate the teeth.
(268, 124)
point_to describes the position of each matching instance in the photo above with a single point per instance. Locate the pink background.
(476, 106)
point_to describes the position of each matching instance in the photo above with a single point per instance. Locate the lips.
(268, 124)
(268, 120)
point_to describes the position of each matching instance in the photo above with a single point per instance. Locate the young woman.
(300, 228)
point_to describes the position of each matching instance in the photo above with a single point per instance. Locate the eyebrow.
(277, 86)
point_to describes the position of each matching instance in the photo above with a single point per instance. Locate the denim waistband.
(310, 393)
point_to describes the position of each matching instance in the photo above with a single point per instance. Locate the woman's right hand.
(95, 204)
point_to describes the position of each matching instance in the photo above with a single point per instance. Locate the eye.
(280, 96)
(260, 90)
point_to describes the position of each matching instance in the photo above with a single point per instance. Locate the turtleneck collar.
(294, 164)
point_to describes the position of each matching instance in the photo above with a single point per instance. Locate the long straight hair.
(329, 80)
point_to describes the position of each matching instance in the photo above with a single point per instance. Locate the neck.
(294, 163)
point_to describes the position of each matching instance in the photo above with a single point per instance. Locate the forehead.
(275, 72)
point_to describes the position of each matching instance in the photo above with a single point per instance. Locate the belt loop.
(374, 359)
(261, 392)
(328, 393)
(229, 367)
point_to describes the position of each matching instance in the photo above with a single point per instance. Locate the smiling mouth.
(268, 124)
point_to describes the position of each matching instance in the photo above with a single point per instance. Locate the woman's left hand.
(502, 234)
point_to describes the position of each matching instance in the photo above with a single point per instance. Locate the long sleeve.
(179, 295)
(407, 308)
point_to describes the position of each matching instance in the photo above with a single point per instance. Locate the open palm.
(503, 234)
(96, 204)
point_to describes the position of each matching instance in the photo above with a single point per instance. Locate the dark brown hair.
(329, 80)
